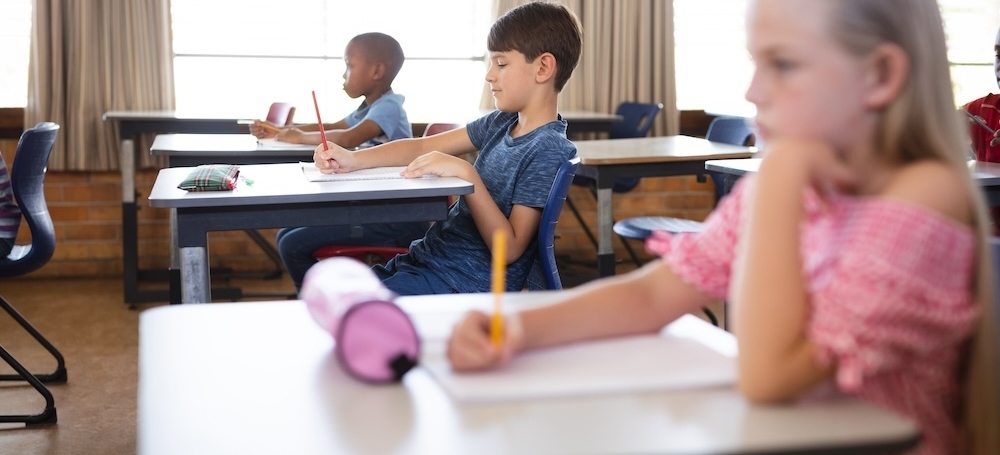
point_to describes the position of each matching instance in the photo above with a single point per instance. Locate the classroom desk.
(608, 159)
(131, 124)
(261, 378)
(985, 173)
(197, 149)
(280, 196)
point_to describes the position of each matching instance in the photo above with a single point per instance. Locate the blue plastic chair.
(27, 182)
(727, 130)
(544, 274)
(637, 120)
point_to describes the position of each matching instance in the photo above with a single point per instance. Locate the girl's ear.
(546, 68)
(888, 70)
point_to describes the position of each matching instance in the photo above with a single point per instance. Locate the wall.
(86, 211)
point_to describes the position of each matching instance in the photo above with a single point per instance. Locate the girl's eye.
(782, 65)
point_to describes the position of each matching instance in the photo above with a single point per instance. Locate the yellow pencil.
(268, 126)
(499, 278)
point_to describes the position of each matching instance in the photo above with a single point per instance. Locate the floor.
(97, 333)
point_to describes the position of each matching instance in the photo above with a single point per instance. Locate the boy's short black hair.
(384, 49)
(535, 28)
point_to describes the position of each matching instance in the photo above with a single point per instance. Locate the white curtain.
(628, 55)
(90, 57)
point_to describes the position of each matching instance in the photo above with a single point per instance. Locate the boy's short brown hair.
(384, 49)
(535, 28)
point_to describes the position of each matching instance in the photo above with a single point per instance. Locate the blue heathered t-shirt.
(515, 171)
(387, 112)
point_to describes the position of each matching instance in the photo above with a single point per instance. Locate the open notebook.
(619, 365)
(376, 173)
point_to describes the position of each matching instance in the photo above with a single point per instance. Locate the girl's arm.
(642, 301)
(769, 293)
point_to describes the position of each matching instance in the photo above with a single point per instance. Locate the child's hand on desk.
(263, 130)
(439, 164)
(334, 160)
(290, 135)
(469, 347)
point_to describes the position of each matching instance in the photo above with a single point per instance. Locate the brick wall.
(86, 211)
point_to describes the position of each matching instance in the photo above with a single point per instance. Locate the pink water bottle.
(375, 341)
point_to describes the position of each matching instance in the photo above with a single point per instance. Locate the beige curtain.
(89, 57)
(628, 55)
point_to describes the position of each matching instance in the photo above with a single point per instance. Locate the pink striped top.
(891, 304)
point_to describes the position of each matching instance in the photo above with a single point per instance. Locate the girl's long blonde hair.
(922, 123)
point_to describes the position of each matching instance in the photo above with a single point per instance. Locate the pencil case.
(374, 340)
(211, 177)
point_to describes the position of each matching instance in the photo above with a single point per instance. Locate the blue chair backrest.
(730, 130)
(546, 264)
(27, 177)
(637, 119)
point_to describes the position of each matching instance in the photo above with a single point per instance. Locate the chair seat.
(368, 254)
(640, 227)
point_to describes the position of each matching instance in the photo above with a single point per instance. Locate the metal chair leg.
(593, 240)
(48, 415)
(57, 376)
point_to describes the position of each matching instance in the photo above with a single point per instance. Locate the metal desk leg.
(605, 245)
(195, 281)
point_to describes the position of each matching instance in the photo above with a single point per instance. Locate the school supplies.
(264, 124)
(979, 121)
(313, 174)
(322, 132)
(499, 284)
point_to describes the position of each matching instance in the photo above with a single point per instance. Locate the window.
(15, 34)
(715, 28)
(241, 55)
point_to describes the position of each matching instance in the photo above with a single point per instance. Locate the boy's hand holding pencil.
(262, 129)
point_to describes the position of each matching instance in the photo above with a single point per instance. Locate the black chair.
(637, 120)
(728, 130)
(27, 178)
(544, 274)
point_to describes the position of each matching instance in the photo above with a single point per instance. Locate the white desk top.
(220, 144)
(985, 173)
(260, 378)
(655, 149)
(284, 183)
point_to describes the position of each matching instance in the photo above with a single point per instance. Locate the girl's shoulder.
(933, 186)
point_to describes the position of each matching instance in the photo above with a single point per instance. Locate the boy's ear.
(378, 71)
(888, 70)
(546, 68)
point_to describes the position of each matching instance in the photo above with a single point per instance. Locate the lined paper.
(376, 173)
(620, 365)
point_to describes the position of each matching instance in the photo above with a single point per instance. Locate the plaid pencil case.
(211, 177)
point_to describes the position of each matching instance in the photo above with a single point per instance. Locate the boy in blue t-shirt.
(533, 50)
(372, 61)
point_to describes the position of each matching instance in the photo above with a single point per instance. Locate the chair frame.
(27, 181)
(558, 193)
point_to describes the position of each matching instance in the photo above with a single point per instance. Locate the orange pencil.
(322, 133)
(499, 285)
(269, 127)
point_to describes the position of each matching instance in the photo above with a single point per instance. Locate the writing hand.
(333, 158)
(263, 130)
(470, 348)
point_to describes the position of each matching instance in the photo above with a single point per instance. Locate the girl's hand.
(437, 163)
(469, 347)
(335, 160)
(815, 162)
